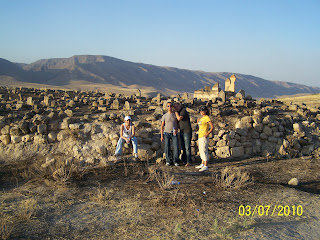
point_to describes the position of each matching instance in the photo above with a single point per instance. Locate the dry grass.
(101, 195)
(26, 209)
(231, 178)
(6, 224)
(161, 175)
(310, 100)
(310, 97)
(108, 203)
(19, 212)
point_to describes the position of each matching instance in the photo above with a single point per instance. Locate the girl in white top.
(127, 134)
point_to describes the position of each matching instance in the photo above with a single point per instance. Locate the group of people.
(175, 126)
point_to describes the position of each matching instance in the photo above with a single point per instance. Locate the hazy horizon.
(274, 40)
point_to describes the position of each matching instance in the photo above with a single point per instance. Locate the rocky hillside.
(166, 80)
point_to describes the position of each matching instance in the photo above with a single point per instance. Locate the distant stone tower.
(216, 88)
(229, 84)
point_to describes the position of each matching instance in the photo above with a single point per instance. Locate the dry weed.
(131, 209)
(175, 198)
(27, 209)
(102, 196)
(31, 167)
(162, 176)
(231, 177)
(6, 224)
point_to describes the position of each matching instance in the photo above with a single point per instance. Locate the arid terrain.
(74, 198)
(120, 202)
(109, 74)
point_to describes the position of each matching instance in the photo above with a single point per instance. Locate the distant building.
(209, 93)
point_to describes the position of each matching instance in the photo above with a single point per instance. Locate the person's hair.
(204, 108)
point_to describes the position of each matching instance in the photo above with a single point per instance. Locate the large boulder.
(297, 127)
(223, 152)
(52, 137)
(155, 146)
(145, 151)
(237, 151)
(16, 139)
(5, 139)
(63, 135)
(143, 133)
(267, 130)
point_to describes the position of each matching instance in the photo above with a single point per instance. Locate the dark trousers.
(167, 138)
(185, 139)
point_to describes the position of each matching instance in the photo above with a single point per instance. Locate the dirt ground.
(136, 200)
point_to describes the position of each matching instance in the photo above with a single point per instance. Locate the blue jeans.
(120, 143)
(185, 139)
(167, 137)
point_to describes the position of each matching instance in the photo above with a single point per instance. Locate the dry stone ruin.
(215, 93)
(84, 125)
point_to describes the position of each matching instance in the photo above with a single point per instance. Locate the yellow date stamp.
(270, 210)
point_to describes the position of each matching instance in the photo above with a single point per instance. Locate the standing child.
(127, 133)
(204, 123)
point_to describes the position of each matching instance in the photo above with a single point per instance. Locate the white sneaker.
(136, 155)
(200, 166)
(204, 168)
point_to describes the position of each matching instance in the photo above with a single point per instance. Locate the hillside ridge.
(105, 70)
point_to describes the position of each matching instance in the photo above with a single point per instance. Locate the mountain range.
(95, 72)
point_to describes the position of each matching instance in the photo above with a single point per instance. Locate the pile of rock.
(86, 124)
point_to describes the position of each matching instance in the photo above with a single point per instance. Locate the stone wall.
(86, 125)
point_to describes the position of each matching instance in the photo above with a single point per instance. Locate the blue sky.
(275, 40)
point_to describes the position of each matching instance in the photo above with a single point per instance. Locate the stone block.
(254, 134)
(27, 138)
(145, 151)
(272, 139)
(63, 125)
(24, 127)
(241, 132)
(75, 126)
(16, 139)
(42, 128)
(155, 146)
(297, 127)
(39, 139)
(15, 131)
(69, 112)
(267, 120)
(221, 143)
(248, 150)
(237, 151)
(113, 136)
(143, 133)
(52, 136)
(5, 139)
(267, 130)
(63, 135)
(147, 140)
(223, 152)
(53, 126)
(231, 143)
(307, 150)
(258, 127)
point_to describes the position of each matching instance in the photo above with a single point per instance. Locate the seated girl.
(127, 133)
